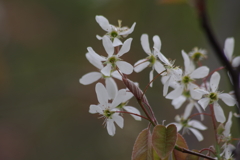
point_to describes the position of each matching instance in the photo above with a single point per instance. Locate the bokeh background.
(44, 108)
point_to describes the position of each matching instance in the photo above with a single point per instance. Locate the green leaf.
(164, 139)
(181, 143)
(142, 149)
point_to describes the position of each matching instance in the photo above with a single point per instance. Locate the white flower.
(212, 96)
(189, 125)
(197, 54)
(130, 109)
(113, 32)
(108, 110)
(151, 60)
(171, 74)
(228, 50)
(113, 61)
(187, 79)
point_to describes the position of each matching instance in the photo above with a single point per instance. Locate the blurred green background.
(44, 108)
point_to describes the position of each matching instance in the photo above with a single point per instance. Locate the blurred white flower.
(113, 32)
(189, 125)
(228, 50)
(152, 59)
(197, 54)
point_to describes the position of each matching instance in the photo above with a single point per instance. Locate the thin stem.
(145, 111)
(207, 149)
(133, 114)
(196, 114)
(184, 150)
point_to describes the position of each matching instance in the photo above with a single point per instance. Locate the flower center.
(112, 60)
(213, 97)
(114, 34)
(186, 80)
(108, 114)
(186, 94)
(184, 122)
(152, 59)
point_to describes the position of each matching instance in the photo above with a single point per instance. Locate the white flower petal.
(175, 93)
(219, 114)
(145, 43)
(236, 61)
(102, 94)
(188, 110)
(133, 110)
(228, 125)
(116, 42)
(129, 31)
(118, 98)
(108, 46)
(214, 81)
(111, 87)
(202, 91)
(196, 124)
(166, 85)
(128, 96)
(140, 65)
(204, 102)
(186, 62)
(177, 102)
(158, 67)
(125, 67)
(163, 58)
(95, 55)
(194, 94)
(197, 134)
(199, 110)
(99, 37)
(227, 99)
(151, 77)
(103, 22)
(97, 63)
(107, 70)
(200, 72)
(118, 119)
(228, 48)
(89, 78)
(157, 42)
(116, 74)
(125, 47)
(95, 109)
(111, 127)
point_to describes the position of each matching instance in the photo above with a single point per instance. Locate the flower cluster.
(194, 84)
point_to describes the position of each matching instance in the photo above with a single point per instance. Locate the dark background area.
(43, 107)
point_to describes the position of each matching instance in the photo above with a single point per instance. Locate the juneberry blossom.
(186, 83)
(186, 125)
(171, 74)
(115, 33)
(108, 110)
(130, 109)
(197, 54)
(152, 59)
(113, 61)
(228, 50)
(212, 96)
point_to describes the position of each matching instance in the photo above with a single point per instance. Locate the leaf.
(142, 149)
(181, 143)
(192, 157)
(164, 139)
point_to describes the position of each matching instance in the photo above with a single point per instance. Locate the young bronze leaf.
(142, 149)
(181, 143)
(164, 139)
